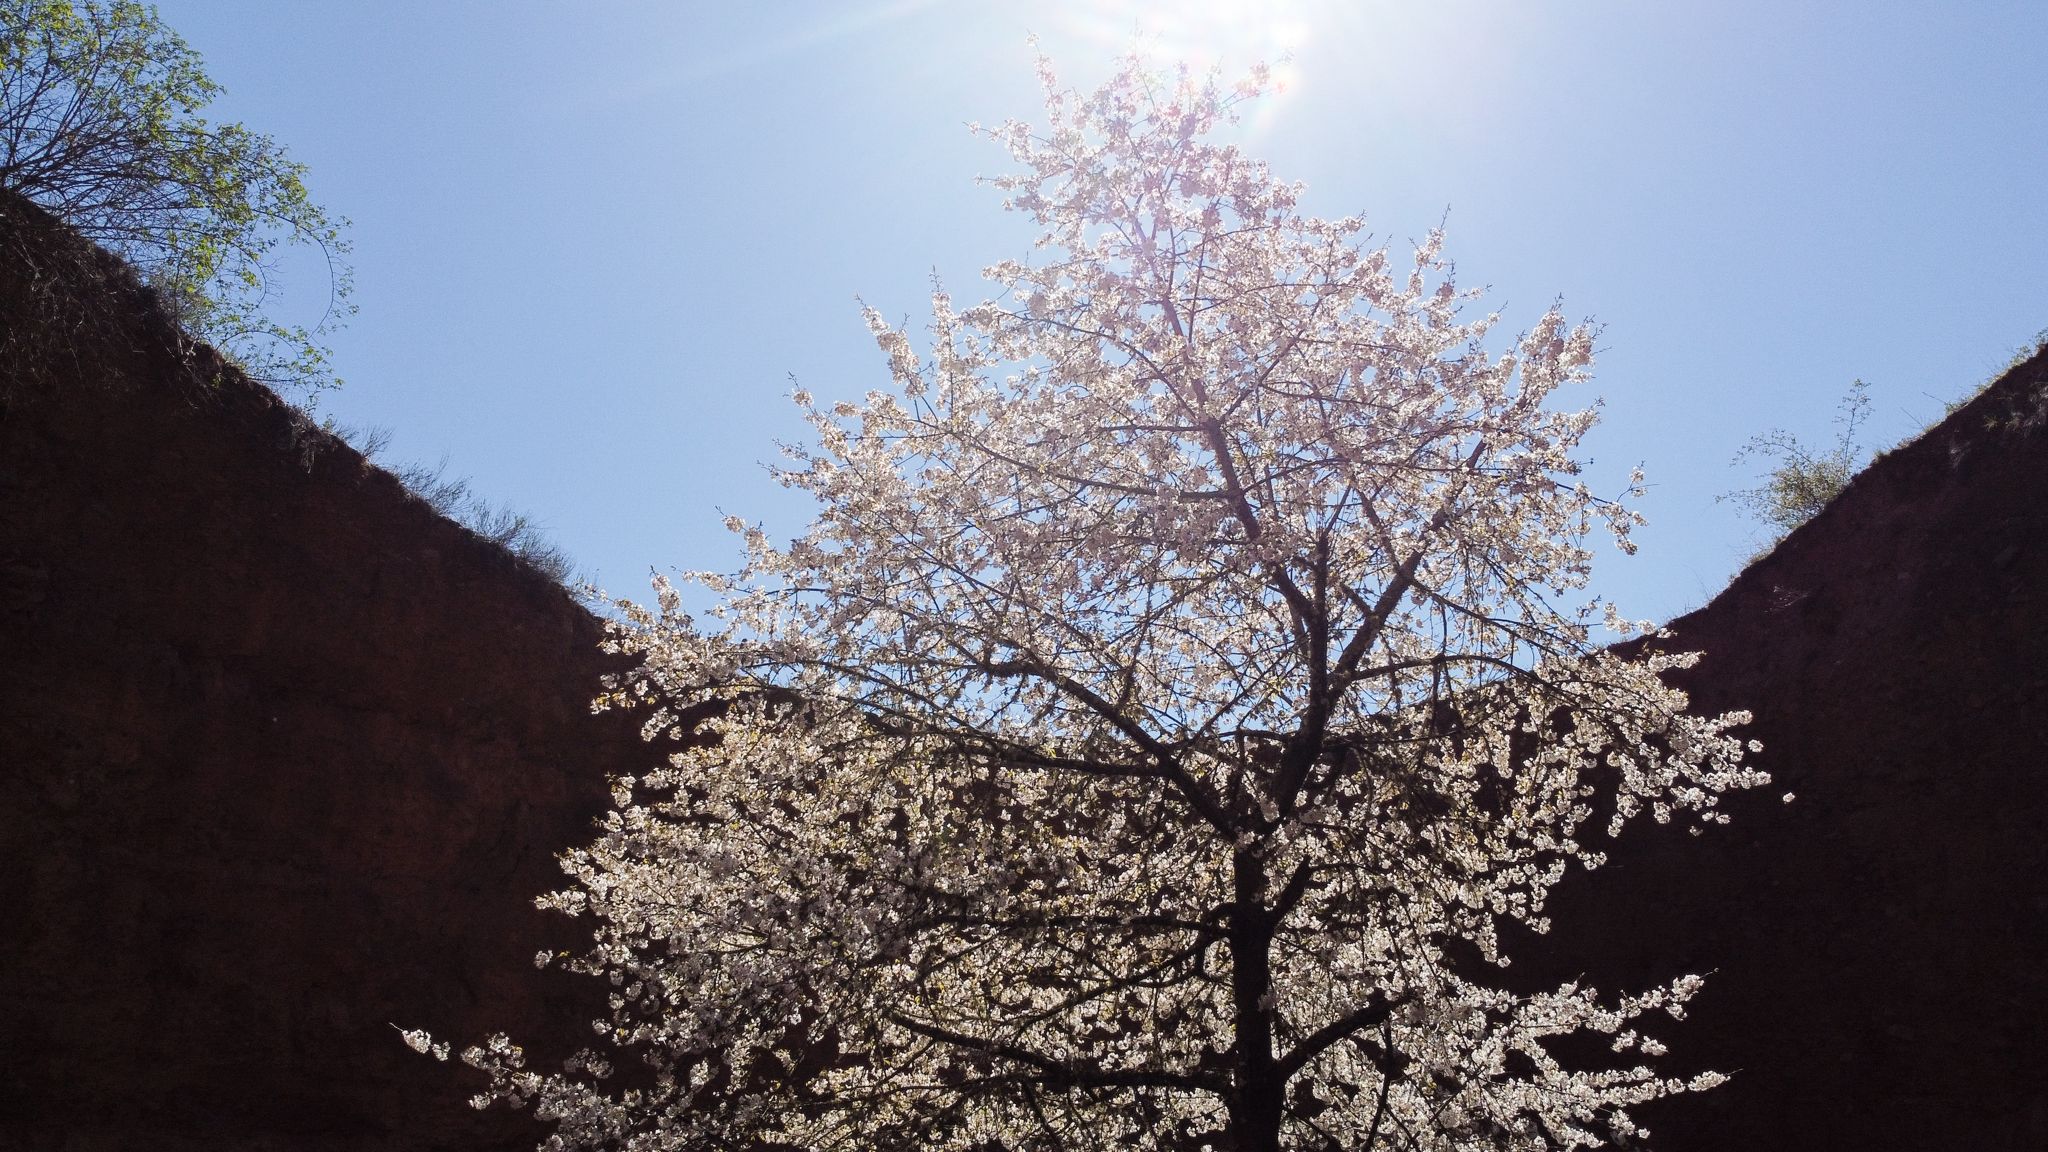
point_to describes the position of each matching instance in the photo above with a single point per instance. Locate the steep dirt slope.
(1876, 946)
(283, 755)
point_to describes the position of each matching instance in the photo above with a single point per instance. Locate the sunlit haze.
(595, 245)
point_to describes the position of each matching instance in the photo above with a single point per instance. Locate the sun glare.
(1228, 34)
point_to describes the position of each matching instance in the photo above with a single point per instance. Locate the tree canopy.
(100, 122)
(1186, 676)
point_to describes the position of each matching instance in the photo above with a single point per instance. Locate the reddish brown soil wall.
(283, 758)
(1875, 947)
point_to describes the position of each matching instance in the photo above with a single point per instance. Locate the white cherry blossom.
(1186, 675)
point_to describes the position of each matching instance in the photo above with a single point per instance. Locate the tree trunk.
(1257, 1097)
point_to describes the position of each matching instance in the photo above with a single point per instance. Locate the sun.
(1231, 35)
(1201, 33)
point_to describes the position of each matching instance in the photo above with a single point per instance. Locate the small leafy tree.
(100, 123)
(1145, 744)
(1804, 480)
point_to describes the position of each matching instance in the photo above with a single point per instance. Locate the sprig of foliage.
(1804, 479)
(100, 122)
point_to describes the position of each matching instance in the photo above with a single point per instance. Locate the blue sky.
(595, 242)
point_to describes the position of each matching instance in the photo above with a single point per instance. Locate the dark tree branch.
(1334, 1033)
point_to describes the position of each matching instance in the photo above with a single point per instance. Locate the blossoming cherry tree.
(1185, 677)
